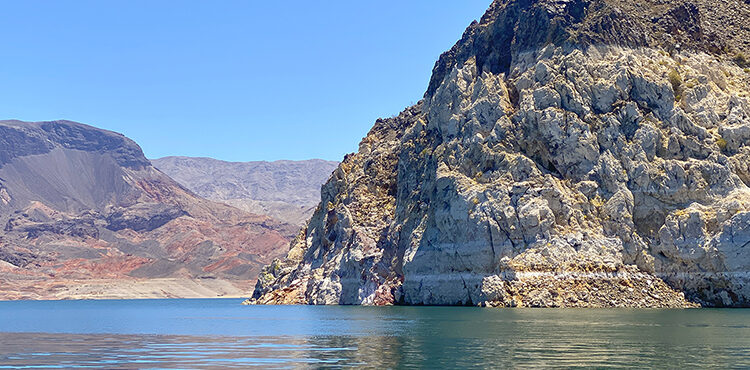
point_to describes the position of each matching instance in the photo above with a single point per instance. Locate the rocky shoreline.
(632, 289)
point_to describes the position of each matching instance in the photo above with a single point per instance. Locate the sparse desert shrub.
(721, 143)
(676, 80)
(741, 60)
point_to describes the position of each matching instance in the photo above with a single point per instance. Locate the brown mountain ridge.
(85, 215)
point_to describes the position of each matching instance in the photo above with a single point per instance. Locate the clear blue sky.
(233, 80)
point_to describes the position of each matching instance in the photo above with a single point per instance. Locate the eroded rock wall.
(579, 174)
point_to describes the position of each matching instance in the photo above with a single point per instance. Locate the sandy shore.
(124, 289)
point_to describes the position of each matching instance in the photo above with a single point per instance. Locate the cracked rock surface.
(561, 157)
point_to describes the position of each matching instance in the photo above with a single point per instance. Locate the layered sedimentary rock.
(566, 153)
(85, 215)
(288, 191)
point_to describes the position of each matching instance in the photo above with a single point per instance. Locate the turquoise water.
(186, 333)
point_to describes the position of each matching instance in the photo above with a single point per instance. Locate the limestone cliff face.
(566, 153)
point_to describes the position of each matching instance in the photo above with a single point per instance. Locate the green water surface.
(187, 333)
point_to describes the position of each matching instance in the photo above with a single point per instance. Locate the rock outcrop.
(82, 207)
(285, 190)
(567, 153)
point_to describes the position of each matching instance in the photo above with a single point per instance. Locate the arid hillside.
(285, 190)
(85, 215)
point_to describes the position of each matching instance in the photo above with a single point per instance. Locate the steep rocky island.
(567, 153)
(84, 214)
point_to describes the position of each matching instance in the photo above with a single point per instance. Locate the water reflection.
(417, 337)
(149, 351)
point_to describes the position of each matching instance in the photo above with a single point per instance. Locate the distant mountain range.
(84, 214)
(285, 190)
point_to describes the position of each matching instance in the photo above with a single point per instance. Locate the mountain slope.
(567, 153)
(84, 214)
(285, 190)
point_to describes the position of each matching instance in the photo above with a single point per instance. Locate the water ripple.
(220, 333)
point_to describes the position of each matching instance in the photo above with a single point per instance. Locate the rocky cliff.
(285, 190)
(567, 153)
(84, 215)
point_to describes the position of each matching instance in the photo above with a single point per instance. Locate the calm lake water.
(185, 333)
